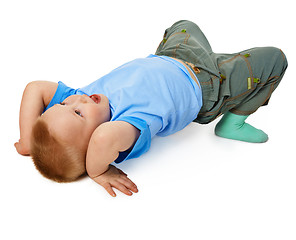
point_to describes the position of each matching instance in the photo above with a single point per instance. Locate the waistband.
(192, 75)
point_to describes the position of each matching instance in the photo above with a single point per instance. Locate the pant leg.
(267, 66)
(185, 40)
(249, 79)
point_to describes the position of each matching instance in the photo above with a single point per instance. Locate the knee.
(284, 59)
(275, 64)
(278, 58)
(184, 24)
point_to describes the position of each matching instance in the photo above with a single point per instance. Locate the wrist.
(100, 174)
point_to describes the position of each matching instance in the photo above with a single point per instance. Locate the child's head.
(61, 135)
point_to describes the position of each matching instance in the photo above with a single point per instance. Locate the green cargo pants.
(239, 82)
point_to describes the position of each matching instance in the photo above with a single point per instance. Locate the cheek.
(93, 118)
(98, 113)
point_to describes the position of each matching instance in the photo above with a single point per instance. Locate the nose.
(83, 98)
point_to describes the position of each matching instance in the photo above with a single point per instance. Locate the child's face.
(74, 120)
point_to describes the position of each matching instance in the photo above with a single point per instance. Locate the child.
(72, 131)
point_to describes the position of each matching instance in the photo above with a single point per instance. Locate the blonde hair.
(53, 159)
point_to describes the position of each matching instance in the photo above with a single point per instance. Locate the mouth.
(96, 98)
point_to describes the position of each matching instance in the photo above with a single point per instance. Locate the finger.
(109, 189)
(16, 145)
(18, 148)
(121, 188)
(128, 184)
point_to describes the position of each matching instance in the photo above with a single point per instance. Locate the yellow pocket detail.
(249, 83)
(255, 80)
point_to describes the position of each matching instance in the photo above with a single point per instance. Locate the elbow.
(32, 86)
(33, 83)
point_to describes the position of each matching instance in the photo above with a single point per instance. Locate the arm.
(36, 96)
(106, 142)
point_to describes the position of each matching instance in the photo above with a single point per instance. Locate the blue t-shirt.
(155, 94)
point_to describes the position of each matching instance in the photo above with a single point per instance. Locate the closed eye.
(78, 113)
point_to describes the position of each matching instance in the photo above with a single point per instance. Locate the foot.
(233, 126)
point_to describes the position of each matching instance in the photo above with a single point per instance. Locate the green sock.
(233, 126)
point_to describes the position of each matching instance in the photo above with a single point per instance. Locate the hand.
(116, 178)
(22, 148)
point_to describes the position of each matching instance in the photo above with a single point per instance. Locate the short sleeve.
(143, 143)
(62, 92)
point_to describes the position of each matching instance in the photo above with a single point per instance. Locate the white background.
(192, 185)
